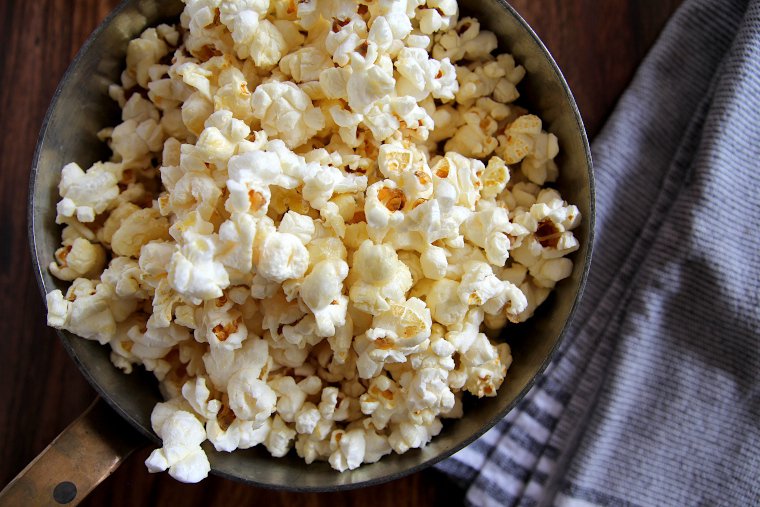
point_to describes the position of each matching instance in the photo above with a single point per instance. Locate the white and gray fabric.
(654, 397)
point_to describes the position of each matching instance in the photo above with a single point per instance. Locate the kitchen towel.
(654, 396)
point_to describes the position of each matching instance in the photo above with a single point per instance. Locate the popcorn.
(288, 28)
(547, 272)
(151, 339)
(490, 230)
(236, 236)
(408, 168)
(251, 174)
(314, 217)
(383, 278)
(133, 141)
(300, 226)
(286, 112)
(422, 75)
(481, 287)
(280, 436)
(144, 52)
(154, 261)
(85, 194)
(463, 175)
(523, 140)
(433, 262)
(182, 434)
(195, 109)
(367, 86)
(220, 325)
(58, 309)
(535, 295)
(234, 95)
(383, 208)
(221, 363)
(474, 138)
(388, 116)
(382, 401)
(549, 221)
(407, 435)
(138, 229)
(344, 37)
(323, 182)
(290, 397)
(348, 449)
(334, 84)
(307, 419)
(250, 398)
(311, 448)
(79, 259)
(220, 139)
(87, 308)
(305, 64)
(525, 194)
(257, 38)
(198, 396)
(282, 257)
(494, 178)
(139, 109)
(194, 191)
(438, 15)
(463, 41)
(239, 434)
(444, 302)
(486, 366)
(438, 218)
(549, 205)
(193, 271)
(394, 334)
(429, 390)
(321, 292)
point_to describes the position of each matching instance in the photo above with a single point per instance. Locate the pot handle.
(80, 458)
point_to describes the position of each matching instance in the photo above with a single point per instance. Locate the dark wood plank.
(597, 44)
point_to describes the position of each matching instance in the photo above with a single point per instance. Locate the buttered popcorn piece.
(250, 398)
(86, 310)
(193, 272)
(321, 291)
(286, 112)
(314, 217)
(79, 259)
(181, 433)
(395, 334)
(383, 278)
(85, 194)
(524, 140)
(219, 140)
(282, 257)
(138, 229)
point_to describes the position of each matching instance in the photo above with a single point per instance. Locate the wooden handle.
(79, 459)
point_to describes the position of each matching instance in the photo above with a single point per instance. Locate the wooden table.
(597, 44)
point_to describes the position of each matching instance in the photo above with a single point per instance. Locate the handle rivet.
(64, 492)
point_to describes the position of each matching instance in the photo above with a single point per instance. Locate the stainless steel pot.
(81, 107)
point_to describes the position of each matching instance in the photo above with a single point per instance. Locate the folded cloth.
(654, 396)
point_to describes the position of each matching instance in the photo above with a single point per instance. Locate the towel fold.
(654, 396)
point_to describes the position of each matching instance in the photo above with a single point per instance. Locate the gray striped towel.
(654, 397)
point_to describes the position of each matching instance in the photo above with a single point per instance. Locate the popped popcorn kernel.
(78, 259)
(286, 111)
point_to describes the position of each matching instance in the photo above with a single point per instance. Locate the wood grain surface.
(598, 45)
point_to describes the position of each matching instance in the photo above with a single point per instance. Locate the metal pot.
(81, 107)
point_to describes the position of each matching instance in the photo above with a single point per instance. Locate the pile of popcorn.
(315, 216)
